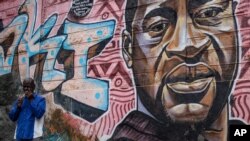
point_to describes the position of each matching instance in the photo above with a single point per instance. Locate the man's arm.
(15, 110)
(38, 107)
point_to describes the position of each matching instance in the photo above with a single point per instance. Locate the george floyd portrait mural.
(129, 70)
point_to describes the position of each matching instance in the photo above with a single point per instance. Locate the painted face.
(184, 57)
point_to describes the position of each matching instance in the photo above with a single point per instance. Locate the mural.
(130, 70)
(184, 56)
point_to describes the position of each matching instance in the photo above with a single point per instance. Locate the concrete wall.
(189, 66)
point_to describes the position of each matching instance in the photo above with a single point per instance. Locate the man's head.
(184, 56)
(28, 86)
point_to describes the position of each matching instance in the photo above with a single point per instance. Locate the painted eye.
(208, 12)
(155, 26)
(209, 16)
(158, 26)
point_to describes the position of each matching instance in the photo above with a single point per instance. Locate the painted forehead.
(146, 6)
(174, 2)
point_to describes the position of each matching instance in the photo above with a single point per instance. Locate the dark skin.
(181, 54)
(28, 92)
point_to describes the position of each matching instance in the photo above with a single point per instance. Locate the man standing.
(28, 111)
(184, 55)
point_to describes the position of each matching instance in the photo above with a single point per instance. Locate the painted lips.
(189, 79)
(185, 89)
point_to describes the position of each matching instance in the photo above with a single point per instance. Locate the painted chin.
(189, 109)
(188, 113)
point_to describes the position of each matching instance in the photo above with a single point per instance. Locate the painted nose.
(187, 42)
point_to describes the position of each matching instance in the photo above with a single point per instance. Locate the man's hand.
(20, 101)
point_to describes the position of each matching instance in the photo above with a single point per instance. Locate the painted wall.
(96, 62)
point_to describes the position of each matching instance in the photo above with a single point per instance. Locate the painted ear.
(127, 48)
